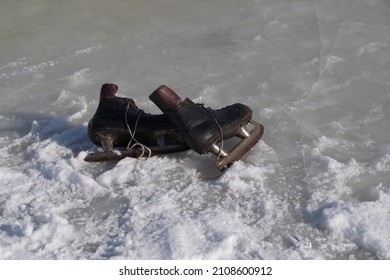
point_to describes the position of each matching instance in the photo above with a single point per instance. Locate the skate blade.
(133, 153)
(242, 147)
(110, 153)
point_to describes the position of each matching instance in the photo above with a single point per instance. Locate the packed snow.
(315, 72)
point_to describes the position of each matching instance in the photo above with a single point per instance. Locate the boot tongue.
(108, 91)
(168, 95)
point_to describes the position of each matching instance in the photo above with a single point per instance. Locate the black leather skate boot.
(123, 130)
(203, 128)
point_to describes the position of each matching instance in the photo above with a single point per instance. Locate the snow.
(315, 73)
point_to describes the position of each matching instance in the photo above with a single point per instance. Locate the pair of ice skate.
(119, 124)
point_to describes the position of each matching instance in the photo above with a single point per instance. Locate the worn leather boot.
(118, 124)
(203, 128)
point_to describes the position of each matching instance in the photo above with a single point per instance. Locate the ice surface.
(315, 72)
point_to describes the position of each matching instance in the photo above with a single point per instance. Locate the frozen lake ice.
(315, 72)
